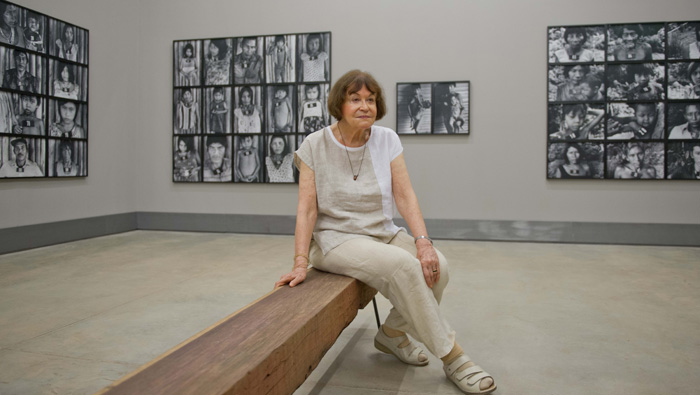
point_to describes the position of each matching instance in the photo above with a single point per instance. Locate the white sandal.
(469, 379)
(390, 345)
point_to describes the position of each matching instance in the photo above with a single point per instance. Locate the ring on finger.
(435, 271)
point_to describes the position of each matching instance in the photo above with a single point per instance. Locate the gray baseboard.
(33, 236)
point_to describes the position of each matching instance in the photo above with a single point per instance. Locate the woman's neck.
(352, 137)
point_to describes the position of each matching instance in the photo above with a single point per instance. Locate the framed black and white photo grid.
(425, 108)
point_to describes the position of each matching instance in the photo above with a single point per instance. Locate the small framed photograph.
(635, 160)
(67, 158)
(313, 63)
(186, 115)
(218, 54)
(34, 35)
(636, 41)
(67, 81)
(313, 112)
(684, 80)
(187, 164)
(248, 61)
(68, 119)
(576, 121)
(684, 120)
(22, 157)
(280, 54)
(217, 158)
(414, 112)
(248, 158)
(280, 109)
(451, 107)
(279, 159)
(576, 82)
(636, 81)
(21, 70)
(684, 40)
(576, 44)
(217, 104)
(27, 117)
(575, 160)
(68, 42)
(636, 121)
(187, 62)
(248, 112)
(683, 160)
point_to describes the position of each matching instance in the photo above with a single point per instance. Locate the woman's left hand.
(429, 261)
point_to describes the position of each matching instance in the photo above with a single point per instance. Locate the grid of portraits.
(43, 95)
(242, 105)
(624, 101)
(425, 108)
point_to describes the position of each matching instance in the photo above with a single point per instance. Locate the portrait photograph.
(21, 70)
(636, 81)
(218, 54)
(281, 111)
(186, 112)
(683, 160)
(67, 119)
(576, 44)
(313, 111)
(248, 60)
(34, 30)
(187, 62)
(68, 42)
(22, 157)
(248, 112)
(313, 62)
(576, 121)
(636, 121)
(450, 107)
(68, 81)
(414, 108)
(636, 41)
(280, 56)
(576, 83)
(635, 160)
(248, 158)
(27, 115)
(67, 158)
(684, 80)
(279, 158)
(575, 160)
(217, 101)
(187, 163)
(684, 40)
(684, 120)
(217, 159)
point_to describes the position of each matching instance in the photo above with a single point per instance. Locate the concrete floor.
(542, 318)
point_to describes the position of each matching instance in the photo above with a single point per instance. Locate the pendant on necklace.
(354, 178)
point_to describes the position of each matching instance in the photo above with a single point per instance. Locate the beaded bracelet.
(415, 239)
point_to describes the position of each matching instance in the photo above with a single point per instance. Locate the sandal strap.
(457, 363)
(474, 374)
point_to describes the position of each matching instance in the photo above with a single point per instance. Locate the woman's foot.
(398, 344)
(469, 377)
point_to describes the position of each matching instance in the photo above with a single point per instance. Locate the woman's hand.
(293, 278)
(429, 261)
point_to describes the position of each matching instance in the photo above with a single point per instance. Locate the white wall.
(496, 173)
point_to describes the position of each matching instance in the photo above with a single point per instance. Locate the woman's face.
(69, 34)
(187, 96)
(65, 75)
(573, 121)
(360, 109)
(636, 157)
(575, 39)
(576, 74)
(572, 155)
(68, 111)
(182, 146)
(10, 15)
(695, 76)
(213, 50)
(245, 98)
(188, 52)
(277, 145)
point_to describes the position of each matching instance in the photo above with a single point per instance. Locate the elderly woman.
(350, 174)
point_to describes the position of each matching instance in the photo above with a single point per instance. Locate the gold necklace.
(354, 176)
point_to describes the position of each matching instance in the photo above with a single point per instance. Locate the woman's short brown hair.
(352, 82)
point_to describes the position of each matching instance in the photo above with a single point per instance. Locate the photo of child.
(28, 121)
(247, 159)
(186, 111)
(248, 118)
(576, 121)
(576, 44)
(280, 109)
(635, 121)
(314, 57)
(280, 51)
(66, 120)
(313, 114)
(218, 104)
(187, 63)
(636, 81)
(34, 32)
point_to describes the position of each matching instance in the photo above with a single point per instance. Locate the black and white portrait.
(280, 54)
(575, 160)
(280, 112)
(21, 70)
(576, 121)
(684, 120)
(414, 113)
(218, 54)
(34, 31)
(636, 121)
(22, 157)
(187, 163)
(684, 40)
(576, 82)
(68, 42)
(186, 112)
(248, 112)
(187, 62)
(636, 41)
(217, 159)
(313, 111)
(248, 158)
(67, 158)
(576, 44)
(67, 80)
(636, 81)
(314, 57)
(279, 159)
(683, 160)
(635, 160)
(684, 80)
(218, 110)
(67, 119)
(28, 115)
(248, 60)
(451, 107)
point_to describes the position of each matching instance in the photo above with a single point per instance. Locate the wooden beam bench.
(268, 347)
